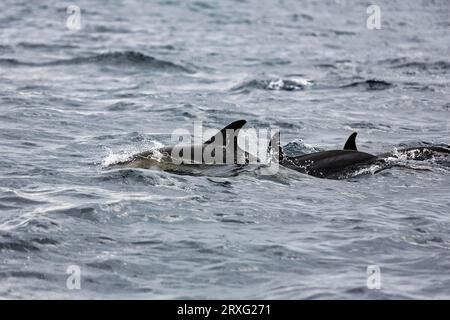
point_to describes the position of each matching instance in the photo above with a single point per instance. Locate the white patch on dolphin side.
(372, 169)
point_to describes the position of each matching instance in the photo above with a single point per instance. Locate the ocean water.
(74, 102)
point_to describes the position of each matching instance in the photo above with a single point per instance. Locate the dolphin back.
(325, 163)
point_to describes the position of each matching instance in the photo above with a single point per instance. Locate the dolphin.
(172, 158)
(335, 163)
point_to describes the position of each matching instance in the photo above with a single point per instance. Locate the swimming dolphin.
(334, 163)
(223, 144)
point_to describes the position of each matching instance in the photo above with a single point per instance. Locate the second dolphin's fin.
(351, 143)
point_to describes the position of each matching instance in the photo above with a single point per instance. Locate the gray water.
(74, 102)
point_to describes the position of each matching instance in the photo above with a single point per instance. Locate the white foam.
(126, 154)
(280, 84)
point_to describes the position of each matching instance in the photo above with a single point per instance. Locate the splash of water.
(126, 154)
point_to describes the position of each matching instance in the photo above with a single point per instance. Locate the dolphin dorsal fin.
(236, 125)
(351, 143)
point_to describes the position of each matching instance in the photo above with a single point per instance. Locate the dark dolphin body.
(327, 164)
(335, 164)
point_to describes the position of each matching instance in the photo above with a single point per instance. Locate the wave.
(13, 62)
(129, 176)
(125, 58)
(424, 66)
(18, 245)
(37, 45)
(405, 63)
(367, 125)
(369, 85)
(274, 84)
(419, 86)
(25, 274)
(298, 148)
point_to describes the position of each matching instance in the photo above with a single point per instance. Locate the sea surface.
(74, 102)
